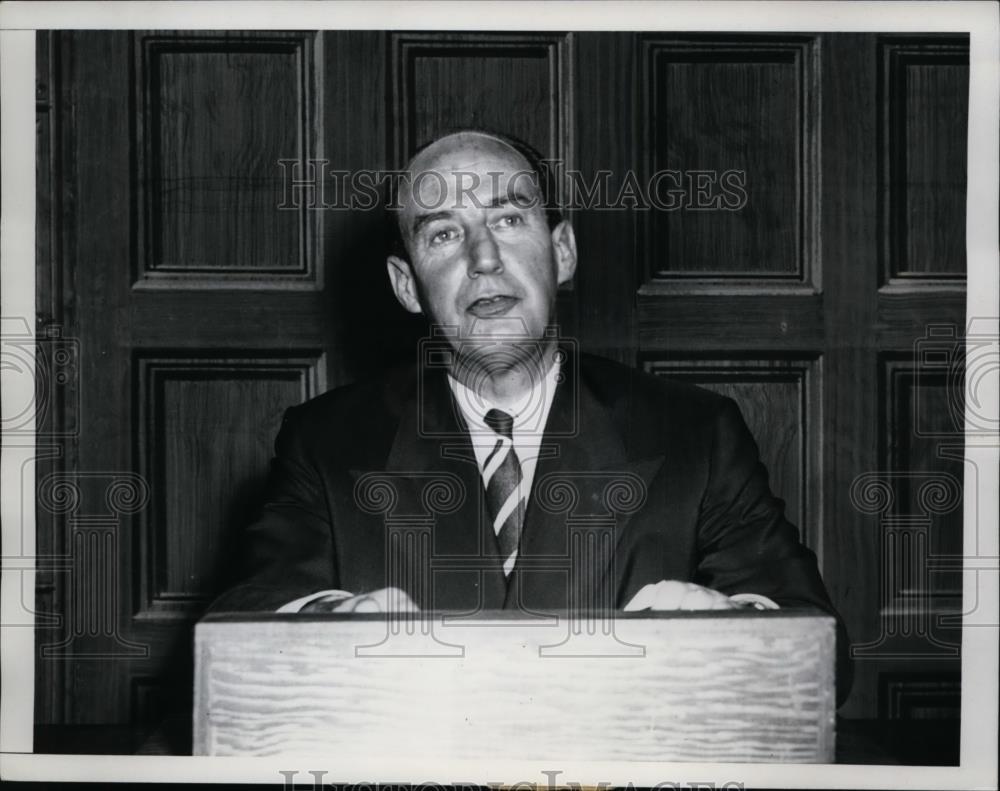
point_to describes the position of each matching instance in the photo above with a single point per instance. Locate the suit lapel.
(585, 490)
(432, 448)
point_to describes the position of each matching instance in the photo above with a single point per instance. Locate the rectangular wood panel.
(907, 696)
(206, 435)
(923, 404)
(214, 162)
(924, 126)
(779, 400)
(513, 83)
(730, 130)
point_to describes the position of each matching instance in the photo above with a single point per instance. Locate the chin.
(510, 326)
(490, 354)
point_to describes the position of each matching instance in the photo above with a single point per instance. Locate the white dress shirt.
(530, 412)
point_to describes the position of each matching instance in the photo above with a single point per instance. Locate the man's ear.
(564, 245)
(403, 283)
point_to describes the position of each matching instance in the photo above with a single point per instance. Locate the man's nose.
(483, 254)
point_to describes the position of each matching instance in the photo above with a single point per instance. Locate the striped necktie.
(504, 493)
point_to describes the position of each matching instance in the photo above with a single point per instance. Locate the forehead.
(450, 169)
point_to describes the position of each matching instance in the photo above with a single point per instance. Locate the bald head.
(470, 141)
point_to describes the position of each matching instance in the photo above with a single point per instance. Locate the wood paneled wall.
(828, 300)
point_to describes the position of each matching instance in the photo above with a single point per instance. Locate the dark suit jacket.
(640, 479)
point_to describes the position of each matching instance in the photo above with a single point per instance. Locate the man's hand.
(676, 595)
(387, 600)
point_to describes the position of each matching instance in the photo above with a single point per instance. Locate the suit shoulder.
(616, 384)
(655, 413)
(382, 393)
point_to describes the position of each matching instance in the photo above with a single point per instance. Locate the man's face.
(482, 257)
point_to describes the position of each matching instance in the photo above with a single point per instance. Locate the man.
(563, 482)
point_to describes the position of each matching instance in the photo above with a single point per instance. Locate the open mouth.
(487, 307)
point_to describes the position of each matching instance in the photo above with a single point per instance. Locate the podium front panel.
(711, 686)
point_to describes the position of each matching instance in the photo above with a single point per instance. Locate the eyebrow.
(423, 219)
(519, 199)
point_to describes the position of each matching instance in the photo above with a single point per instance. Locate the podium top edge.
(458, 618)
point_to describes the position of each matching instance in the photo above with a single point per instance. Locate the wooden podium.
(742, 686)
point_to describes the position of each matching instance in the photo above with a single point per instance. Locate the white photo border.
(18, 23)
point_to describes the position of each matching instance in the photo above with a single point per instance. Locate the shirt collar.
(529, 411)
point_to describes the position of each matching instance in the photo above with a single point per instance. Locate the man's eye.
(444, 235)
(511, 220)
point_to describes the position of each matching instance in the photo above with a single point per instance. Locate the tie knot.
(501, 423)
